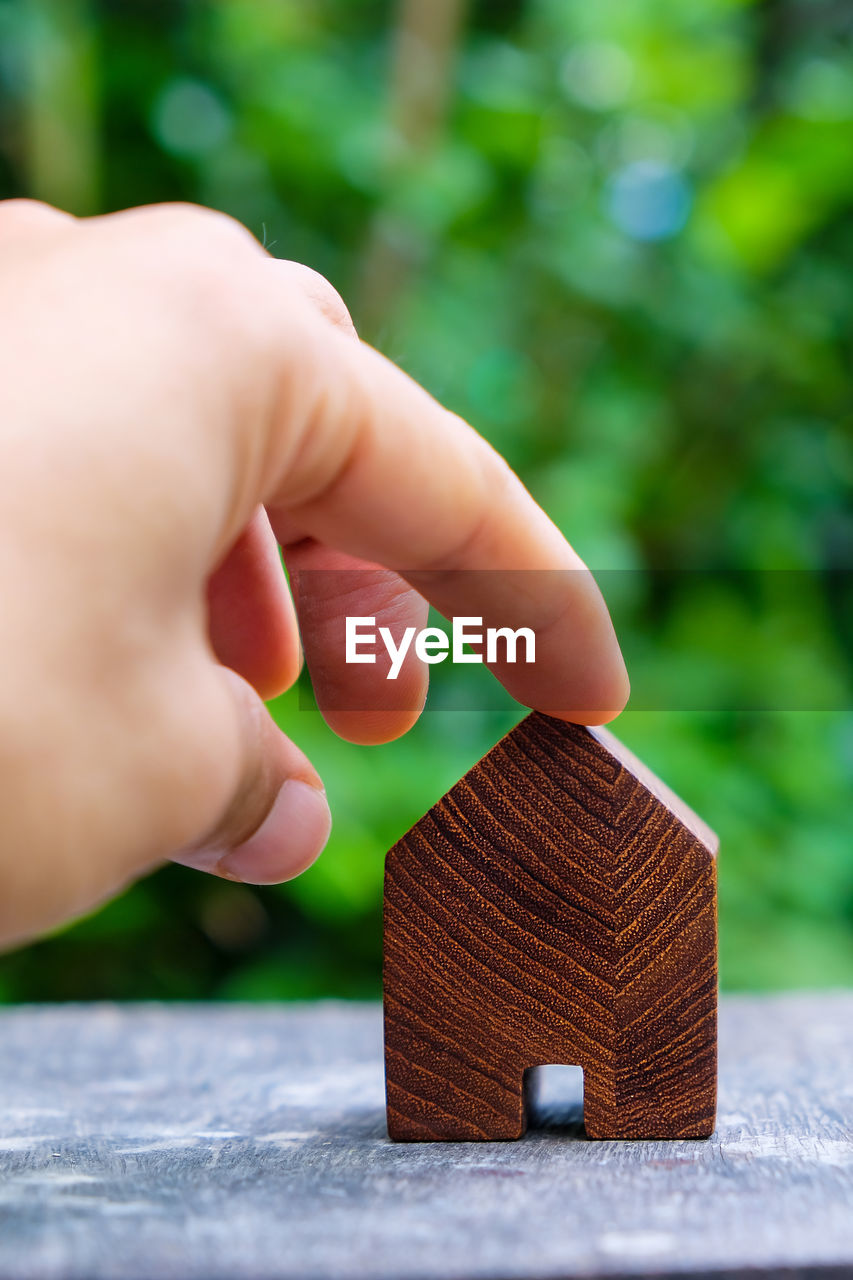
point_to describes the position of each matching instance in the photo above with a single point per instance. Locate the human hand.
(172, 401)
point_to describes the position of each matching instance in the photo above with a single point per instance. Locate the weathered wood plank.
(249, 1143)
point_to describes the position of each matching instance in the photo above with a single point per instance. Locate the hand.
(172, 401)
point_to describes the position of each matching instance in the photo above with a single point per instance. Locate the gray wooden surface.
(149, 1142)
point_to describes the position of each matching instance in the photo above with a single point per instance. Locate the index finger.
(367, 462)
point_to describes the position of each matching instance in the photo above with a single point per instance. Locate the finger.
(276, 821)
(358, 701)
(366, 462)
(250, 613)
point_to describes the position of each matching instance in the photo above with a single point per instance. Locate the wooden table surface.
(147, 1142)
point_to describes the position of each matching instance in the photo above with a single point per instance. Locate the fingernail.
(293, 834)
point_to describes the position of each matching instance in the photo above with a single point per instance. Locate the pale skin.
(173, 404)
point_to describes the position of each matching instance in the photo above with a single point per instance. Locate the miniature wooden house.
(558, 905)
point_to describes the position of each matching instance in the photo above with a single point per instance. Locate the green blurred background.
(616, 237)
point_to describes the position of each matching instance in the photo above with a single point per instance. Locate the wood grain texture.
(558, 905)
(248, 1142)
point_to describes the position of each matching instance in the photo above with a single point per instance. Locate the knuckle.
(322, 294)
(193, 246)
(24, 215)
(200, 260)
(196, 227)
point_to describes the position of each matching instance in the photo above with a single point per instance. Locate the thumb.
(277, 821)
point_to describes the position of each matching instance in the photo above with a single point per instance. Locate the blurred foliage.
(617, 238)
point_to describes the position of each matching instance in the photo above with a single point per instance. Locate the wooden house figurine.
(557, 905)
